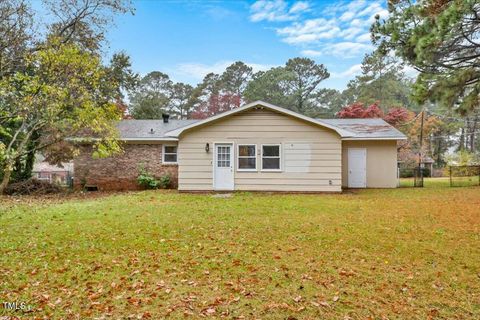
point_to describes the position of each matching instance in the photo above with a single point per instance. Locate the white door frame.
(232, 163)
(350, 183)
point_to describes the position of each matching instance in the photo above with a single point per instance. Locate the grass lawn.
(376, 254)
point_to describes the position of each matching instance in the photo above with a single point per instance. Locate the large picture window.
(169, 154)
(271, 157)
(247, 157)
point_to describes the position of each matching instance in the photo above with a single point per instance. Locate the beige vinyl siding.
(310, 154)
(381, 162)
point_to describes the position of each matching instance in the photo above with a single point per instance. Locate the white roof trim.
(375, 138)
(149, 139)
(177, 132)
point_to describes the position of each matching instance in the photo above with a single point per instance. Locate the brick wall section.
(120, 172)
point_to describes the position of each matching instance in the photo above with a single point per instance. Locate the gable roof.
(252, 105)
(348, 129)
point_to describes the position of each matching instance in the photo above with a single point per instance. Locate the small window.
(247, 157)
(169, 154)
(271, 157)
(223, 156)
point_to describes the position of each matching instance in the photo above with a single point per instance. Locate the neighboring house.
(258, 147)
(53, 174)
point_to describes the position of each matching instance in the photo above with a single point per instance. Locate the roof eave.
(124, 139)
(374, 138)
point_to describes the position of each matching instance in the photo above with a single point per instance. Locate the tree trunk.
(9, 165)
(6, 178)
(461, 143)
(439, 151)
(472, 137)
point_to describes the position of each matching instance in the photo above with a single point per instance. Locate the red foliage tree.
(398, 115)
(373, 111)
(123, 109)
(216, 104)
(395, 116)
(358, 110)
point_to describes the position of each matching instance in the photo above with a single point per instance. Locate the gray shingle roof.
(142, 129)
(357, 128)
(370, 128)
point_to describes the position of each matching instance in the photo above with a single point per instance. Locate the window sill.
(271, 170)
(247, 170)
(169, 163)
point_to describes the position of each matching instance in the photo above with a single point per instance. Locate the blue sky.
(187, 39)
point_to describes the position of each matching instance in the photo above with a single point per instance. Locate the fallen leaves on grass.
(285, 256)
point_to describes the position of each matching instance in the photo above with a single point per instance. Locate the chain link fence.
(412, 176)
(464, 176)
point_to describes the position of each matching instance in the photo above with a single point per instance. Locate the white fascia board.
(375, 138)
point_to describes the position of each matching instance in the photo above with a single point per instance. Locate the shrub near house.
(148, 181)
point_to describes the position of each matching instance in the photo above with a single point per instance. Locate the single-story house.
(54, 174)
(256, 147)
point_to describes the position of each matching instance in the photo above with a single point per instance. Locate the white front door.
(357, 167)
(223, 167)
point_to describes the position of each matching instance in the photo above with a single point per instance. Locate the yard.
(375, 254)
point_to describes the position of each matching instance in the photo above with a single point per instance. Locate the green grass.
(394, 254)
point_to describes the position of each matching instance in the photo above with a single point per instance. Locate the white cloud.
(349, 73)
(369, 10)
(300, 6)
(312, 37)
(276, 10)
(339, 50)
(357, 23)
(309, 26)
(366, 37)
(309, 31)
(355, 5)
(347, 16)
(200, 70)
(350, 33)
(340, 29)
(270, 11)
(347, 49)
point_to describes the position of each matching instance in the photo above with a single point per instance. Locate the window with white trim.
(271, 157)
(247, 157)
(169, 154)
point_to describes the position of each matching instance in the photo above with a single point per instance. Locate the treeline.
(294, 86)
(297, 86)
